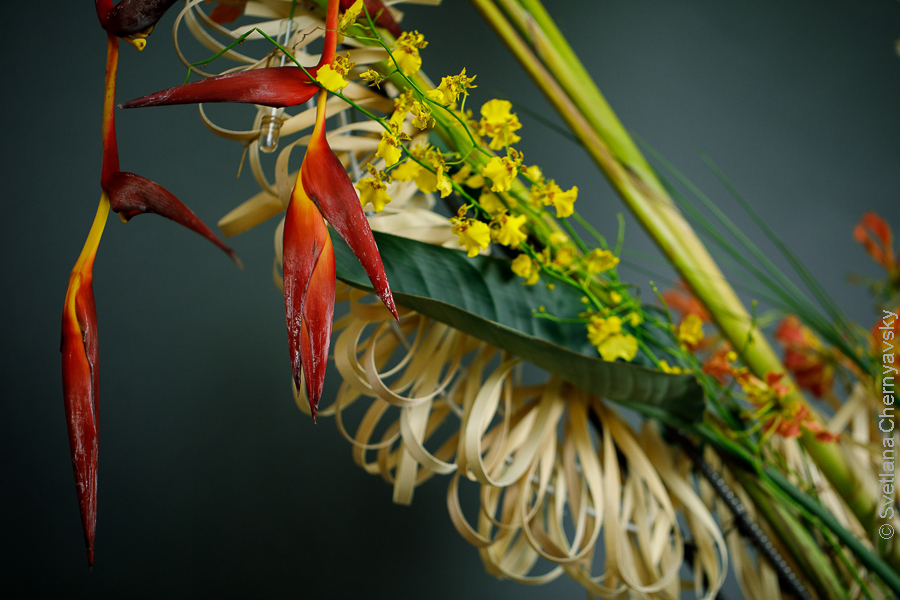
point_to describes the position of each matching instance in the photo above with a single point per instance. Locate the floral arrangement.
(456, 262)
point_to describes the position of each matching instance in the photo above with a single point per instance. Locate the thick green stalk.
(574, 94)
(804, 549)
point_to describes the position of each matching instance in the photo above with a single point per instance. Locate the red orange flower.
(805, 356)
(875, 235)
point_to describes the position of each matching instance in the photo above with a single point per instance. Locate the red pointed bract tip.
(274, 86)
(328, 186)
(309, 284)
(380, 14)
(81, 378)
(131, 195)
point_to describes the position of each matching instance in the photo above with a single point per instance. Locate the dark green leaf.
(482, 297)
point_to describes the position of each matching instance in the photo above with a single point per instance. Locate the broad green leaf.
(482, 297)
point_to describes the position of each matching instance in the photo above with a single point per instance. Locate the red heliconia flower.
(323, 192)
(323, 189)
(309, 282)
(380, 14)
(805, 356)
(127, 194)
(81, 377)
(277, 87)
(875, 235)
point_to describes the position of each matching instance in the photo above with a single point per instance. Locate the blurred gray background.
(212, 483)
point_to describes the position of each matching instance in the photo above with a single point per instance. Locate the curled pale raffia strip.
(546, 497)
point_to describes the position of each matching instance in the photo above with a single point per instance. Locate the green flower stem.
(612, 149)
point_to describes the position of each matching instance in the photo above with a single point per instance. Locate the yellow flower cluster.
(428, 182)
(606, 335)
(547, 193)
(599, 261)
(451, 88)
(498, 123)
(373, 189)
(406, 53)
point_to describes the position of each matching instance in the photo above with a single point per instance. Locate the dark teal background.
(212, 483)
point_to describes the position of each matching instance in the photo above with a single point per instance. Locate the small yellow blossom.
(606, 335)
(406, 52)
(475, 181)
(461, 175)
(600, 328)
(389, 148)
(423, 119)
(407, 170)
(564, 256)
(509, 231)
(499, 124)
(372, 77)
(525, 267)
(465, 176)
(635, 318)
(404, 102)
(534, 174)
(546, 193)
(502, 171)
(564, 201)
(443, 183)
(599, 261)
(690, 331)
(349, 17)
(391, 141)
(473, 235)
(374, 189)
(673, 369)
(333, 77)
(491, 202)
(619, 346)
(558, 238)
(451, 87)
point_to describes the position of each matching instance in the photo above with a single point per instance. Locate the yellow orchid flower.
(473, 235)
(527, 268)
(509, 231)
